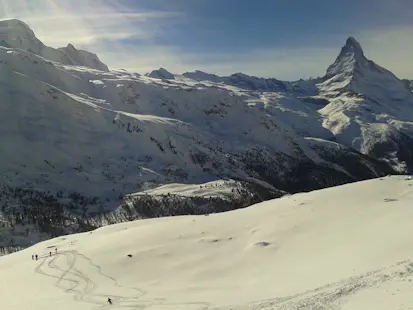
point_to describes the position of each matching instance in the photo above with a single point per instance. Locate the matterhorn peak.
(352, 42)
(353, 72)
(350, 57)
(353, 47)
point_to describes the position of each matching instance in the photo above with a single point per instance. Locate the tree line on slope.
(31, 216)
(151, 206)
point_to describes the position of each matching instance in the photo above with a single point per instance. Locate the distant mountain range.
(84, 145)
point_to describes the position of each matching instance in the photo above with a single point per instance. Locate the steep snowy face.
(83, 58)
(16, 34)
(349, 64)
(350, 58)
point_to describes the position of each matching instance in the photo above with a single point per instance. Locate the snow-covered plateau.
(348, 247)
(84, 145)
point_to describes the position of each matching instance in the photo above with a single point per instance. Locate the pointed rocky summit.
(354, 47)
(350, 57)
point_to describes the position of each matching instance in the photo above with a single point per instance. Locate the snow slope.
(347, 247)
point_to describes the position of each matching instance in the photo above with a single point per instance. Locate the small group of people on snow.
(36, 257)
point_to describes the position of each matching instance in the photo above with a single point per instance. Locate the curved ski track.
(72, 280)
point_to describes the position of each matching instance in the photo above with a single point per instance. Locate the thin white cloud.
(58, 22)
(108, 16)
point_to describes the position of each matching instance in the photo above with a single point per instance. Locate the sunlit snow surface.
(347, 247)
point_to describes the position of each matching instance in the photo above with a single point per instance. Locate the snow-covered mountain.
(81, 140)
(254, 83)
(369, 109)
(198, 75)
(342, 248)
(18, 35)
(162, 74)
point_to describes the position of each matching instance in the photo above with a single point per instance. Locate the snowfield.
(347, 247)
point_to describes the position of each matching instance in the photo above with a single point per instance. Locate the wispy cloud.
(58, 22)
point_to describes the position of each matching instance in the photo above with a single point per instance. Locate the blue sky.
(287, 39)
(234, 25)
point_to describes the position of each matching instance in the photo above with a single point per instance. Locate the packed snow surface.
(347, 247)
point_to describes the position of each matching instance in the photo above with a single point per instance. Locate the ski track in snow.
(334, 296)
(71, 278)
